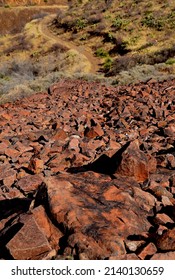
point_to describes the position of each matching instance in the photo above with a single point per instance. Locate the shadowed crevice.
(104, 164)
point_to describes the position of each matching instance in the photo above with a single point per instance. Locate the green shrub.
(6, 6)
(117, 23)
(101, 53)
(107, 64)
(153, 22)
(170, 61)
(81, 23)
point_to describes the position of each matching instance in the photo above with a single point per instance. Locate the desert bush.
(117, 23)
(18, 43)
(57, 48)
(80, 23)
(170, 61)
(108, 37)
(107, 64)
(171, 19)
(95, 18)
(67, 23)
(100, 52)
(151, 21)
(128, 61)
(143, 73)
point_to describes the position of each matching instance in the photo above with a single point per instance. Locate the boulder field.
(87, 171)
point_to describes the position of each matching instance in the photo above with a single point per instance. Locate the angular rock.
(36, 165)
(52, 233)
(29, 243)
(133, 245)
(134, 163)
(37, 237)
(166, 242)
(163, 219)
(149, 250)
(30, 183)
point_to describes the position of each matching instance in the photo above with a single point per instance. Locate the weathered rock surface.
(88, 172)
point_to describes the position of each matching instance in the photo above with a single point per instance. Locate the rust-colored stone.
(166, 242)
(149, 250)
(29, 242)
(134, 163)
(30, 183)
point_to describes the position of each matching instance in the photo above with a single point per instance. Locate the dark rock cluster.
(87, 171)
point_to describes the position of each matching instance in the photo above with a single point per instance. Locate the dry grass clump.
(143, 73)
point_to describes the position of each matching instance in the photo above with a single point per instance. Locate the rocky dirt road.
(87, 171)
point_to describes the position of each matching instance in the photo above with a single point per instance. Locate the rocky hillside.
(87, 171)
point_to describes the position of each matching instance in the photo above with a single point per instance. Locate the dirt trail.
(93, 63)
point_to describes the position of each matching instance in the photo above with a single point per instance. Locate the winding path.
(92, 62)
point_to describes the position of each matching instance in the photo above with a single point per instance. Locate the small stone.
(36, 165)
(149, 250)
(134, 163)
(163, 219)
(134, 245)
(162, 124)
(166, 242)
(166, 201)
(161, 229)
(74, 145)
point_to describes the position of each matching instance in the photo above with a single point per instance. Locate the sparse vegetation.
(145, 27)
(152, 22)
(133, 41)
(170, 61)
(101, 53)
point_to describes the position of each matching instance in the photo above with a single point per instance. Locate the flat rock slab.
(99, 211)
(36, 238)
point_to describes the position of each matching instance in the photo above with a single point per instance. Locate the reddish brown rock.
(29, 242)
(50, 231)
(166, 242)
(30, 183)
(36, 165)
(170, 130)
(134, 163)
(59, 134)
(164, 256)
(149, 250)
(37, 237)
(163, 219)
(73, 202)
(74, 144)
(3, 147)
